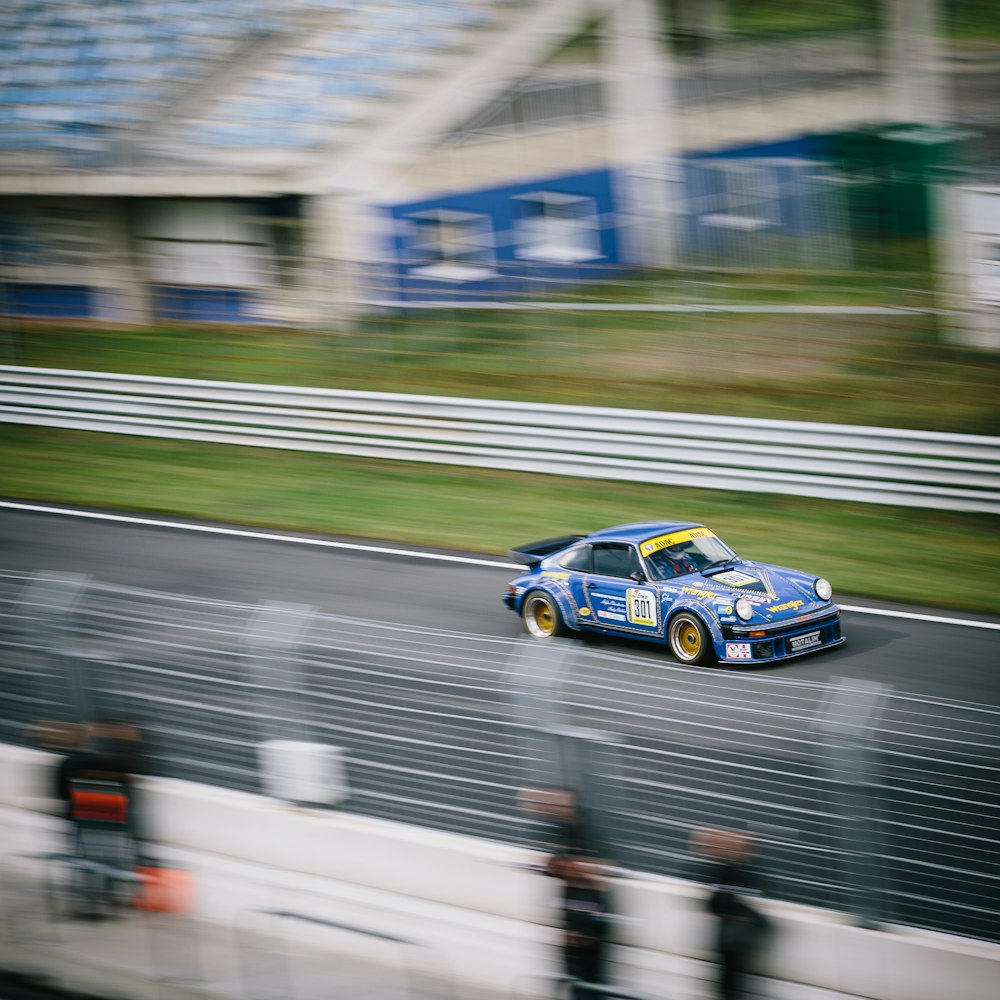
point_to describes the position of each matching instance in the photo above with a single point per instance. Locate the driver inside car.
(679, 559)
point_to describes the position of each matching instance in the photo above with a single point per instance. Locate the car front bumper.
(781, 640)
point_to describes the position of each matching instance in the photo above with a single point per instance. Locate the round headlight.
(744, 609)
(823, 589)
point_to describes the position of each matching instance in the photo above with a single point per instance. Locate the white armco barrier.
(468, 900)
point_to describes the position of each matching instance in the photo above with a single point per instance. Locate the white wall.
(968, 238)
(209, 243)
(465, 898)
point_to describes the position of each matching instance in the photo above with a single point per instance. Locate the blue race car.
(675, 582)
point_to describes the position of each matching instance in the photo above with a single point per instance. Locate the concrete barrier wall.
(468, 900)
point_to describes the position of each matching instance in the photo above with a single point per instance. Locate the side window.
(577, 559)
(557, 228)
(447, 245)
(613, 560)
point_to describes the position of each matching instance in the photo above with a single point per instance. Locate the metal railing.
(832, 461)
(440, 729)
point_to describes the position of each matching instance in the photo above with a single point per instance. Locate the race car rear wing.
(533, 553)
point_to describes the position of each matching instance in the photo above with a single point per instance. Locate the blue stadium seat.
(250, 137)
(26, 139)
(66, 65)
(347, 86)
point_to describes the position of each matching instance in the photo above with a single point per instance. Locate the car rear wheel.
(689, 640)
(541, 616)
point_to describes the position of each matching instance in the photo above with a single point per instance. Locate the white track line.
(245, 533)
(410, 553)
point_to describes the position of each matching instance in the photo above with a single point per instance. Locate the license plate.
(804, 641)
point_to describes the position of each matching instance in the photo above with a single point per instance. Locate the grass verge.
(928, 558)
(876, 370)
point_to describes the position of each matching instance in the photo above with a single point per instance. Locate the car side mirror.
(638, 576)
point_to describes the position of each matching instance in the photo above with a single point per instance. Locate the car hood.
(775, 592)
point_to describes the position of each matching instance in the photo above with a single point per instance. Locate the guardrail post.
(592, 758)
(48, 608)
(556, 753)
(536, 674)
(292, 768)
(849, 722)
(273, 640)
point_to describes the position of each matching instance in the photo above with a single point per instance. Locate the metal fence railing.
(869, 464)
(837, 783)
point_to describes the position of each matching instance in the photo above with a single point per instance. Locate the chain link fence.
(859, 798)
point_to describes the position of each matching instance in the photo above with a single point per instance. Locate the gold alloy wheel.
(541, 616)
(688, 639)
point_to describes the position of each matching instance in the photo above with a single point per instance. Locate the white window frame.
(462, 247)
(554, 236)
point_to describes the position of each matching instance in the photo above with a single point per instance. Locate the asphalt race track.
(943, 791)
(921, 657)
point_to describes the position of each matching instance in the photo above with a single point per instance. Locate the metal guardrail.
(832, 461)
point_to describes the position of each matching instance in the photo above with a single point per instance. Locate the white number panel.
(641, 606)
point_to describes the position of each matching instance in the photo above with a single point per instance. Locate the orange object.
(164, 890)
(108, 807)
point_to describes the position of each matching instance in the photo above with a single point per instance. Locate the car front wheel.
(541, 616)
(689, 640)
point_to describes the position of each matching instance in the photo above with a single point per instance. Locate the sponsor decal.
(724, 609)
(737, 650)
(613, 615)
(552, 574)
(787, 606)
(641, 606)
(804, 641)
(662, 541)
(735, 578)
(727, 618)
(698, 592)
(584, 611)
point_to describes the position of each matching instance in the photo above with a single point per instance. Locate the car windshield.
(683, 552)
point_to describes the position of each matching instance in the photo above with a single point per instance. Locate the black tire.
(689, 640)
(541, 616)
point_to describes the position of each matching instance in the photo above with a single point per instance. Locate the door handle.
(591, 586)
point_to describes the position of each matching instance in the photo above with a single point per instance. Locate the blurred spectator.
(568, 829)
(105, 761)
(586, 921)
(96, 785)
(741, 929)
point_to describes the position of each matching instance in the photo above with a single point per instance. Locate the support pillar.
(642, 102)
(916, 92)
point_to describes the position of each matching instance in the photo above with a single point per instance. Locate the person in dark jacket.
(740, 927)
(100, 773)
(586, 921)
(567, 827)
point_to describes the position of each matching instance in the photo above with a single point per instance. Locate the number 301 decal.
(641, 607)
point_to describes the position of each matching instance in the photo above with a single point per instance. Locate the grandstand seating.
(211, 74)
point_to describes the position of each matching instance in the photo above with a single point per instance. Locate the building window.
(990, 252)
(557, 228)
(747, 196)
(204, 243)
(446, 245)
(984, 272)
